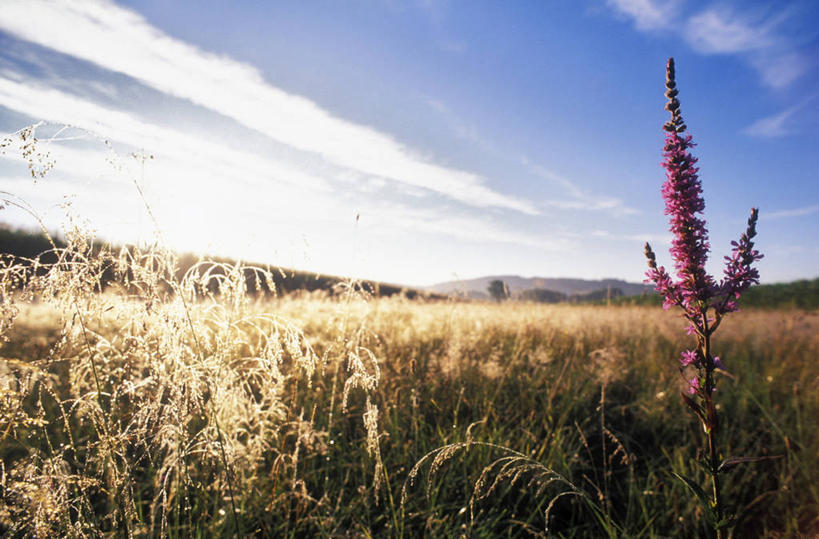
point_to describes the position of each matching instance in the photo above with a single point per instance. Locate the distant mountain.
(517, 285)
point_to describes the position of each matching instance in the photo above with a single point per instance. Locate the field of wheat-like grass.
(196, 407)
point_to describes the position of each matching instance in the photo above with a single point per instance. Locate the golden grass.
(173, 407)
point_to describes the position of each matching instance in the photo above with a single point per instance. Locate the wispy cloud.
(193, 179)
(654, 239)
(647, 14)
(542, 172)
(776, 125)
(121, 40)
(28, 98)
(779, 69)
(720, 30)
(795, 212)
(759, 39)
(611, 205)
(435, 222)
(579, 199)
(462, 129)
(771, 126)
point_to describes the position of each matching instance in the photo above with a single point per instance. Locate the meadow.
(201, 407)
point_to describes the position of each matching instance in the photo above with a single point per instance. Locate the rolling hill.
(477, 288)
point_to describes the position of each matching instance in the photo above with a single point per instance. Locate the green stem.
(711, 426)
(714, 467)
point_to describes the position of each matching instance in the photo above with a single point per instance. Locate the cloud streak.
(647, 14)
(725, 31)
(53, 105)
(771, 126)
(775, 126)
(795, 212)
(198, 188)
(580, 200)
(719, 30)
(121, 40)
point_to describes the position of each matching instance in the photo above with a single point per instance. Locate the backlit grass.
(304, 416)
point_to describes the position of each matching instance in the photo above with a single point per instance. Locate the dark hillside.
(35, 246)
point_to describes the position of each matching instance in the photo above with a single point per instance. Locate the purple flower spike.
(682, 192)
(739, 275)
(694, 290)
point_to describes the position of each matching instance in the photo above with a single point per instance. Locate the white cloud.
(435, 222)
(654, 239)
(779, 70)
(771, 126)
(795, 212)
(717, 31)
(56, 106)
(647, 14)
(121, 40)
(775, 125)
(553, 177)
(211, 198)
(201, 190)
(723, 31)
(611, 205)
(580, 200)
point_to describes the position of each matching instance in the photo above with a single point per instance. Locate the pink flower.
(694, 290)
(693, 385)
(739, 275)
(690, 357)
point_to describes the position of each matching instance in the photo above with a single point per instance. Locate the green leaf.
(727, 522)
(697, 409)
(699, 493)
(733, 461)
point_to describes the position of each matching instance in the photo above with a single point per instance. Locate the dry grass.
(176, 408)
(117, 406)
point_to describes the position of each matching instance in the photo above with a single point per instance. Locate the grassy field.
(189, 408)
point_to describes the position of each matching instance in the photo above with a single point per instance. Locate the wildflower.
(689, 357)
(739, 275)
(682, 192)
(693, 385)
(694, 290)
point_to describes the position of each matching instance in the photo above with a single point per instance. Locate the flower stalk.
(703, 301)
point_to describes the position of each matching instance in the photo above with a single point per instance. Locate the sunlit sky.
(416, 142)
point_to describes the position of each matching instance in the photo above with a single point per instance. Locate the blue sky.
(420, 141)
